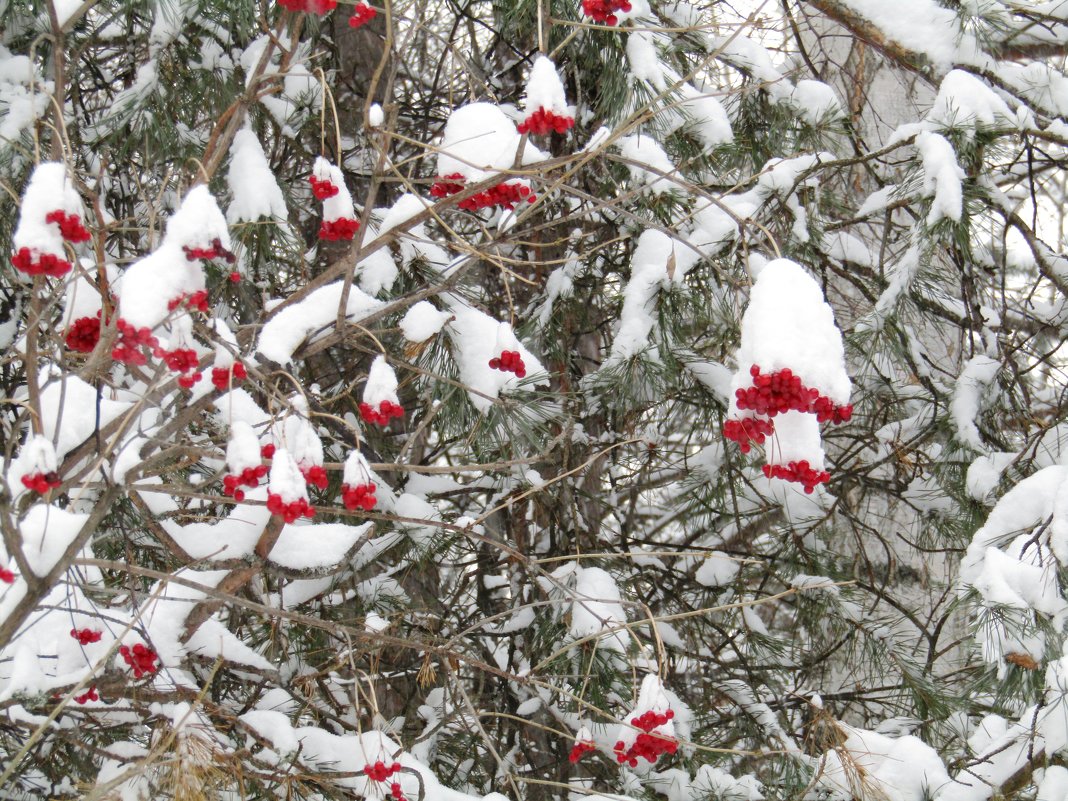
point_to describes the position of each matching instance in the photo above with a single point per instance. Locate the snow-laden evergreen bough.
(534, 400)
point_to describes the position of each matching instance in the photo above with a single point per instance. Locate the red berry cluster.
(604, 10)
(543, 122)
(41, 482)
(222, 377)
(128, 346)
(362, 14)
(289, 511)
(249, 477)
(214, 252)
(386, 411)
(381, 772)
(316, 476)
(46, 264)
(509, 362)
(197, 301)
(782, 391)
(84, 333)
(746, 430)
(86, 636)
(140, 658)
(7, 576)
(235, 277)
(70, 226)
(579, 750)
(801, 472)
(647, 745)
(341, 229)
(184, 361)
(87, 696)
(322, 189)
(362, 496)
(309, 6)
(506, 195)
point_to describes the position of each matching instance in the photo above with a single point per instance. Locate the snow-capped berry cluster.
(381, 772)
(315, 475)
(140, 658)
(361, 15)
(86, 636)
(214, 251)
(782, 391)
(41, 482)
(747, 430)
(380, 402)
(506, 195)
(223, 377)
(197, 301)
(605, 10)
(287, 494)
(579, 750)
(289, 511)
(647, 744)
(544, 102)
(509, 362)
(800, 472)
(70, 226)
(84, 333)
(184, 361)
(339, 214)
(86, 697)
(319, 7)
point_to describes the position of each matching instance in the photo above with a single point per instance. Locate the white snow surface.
(422, 321)
(893, 769)
(964, 101)
(253, 188)
(243, 448)
(717, 570)
(283, 334)
(648, 163)
(597, 608)
(978, 374)
(47, 531)
(381, 383)
(286, 479)
(49, 189)
(942, 177)
(340, 206)
(69, 412)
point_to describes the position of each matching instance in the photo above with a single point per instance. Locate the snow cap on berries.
(299, 435)
(224, 356)
(243, 448)
(788, 324)
(198, 224)
(545, 107)
(649, 729)
(339, 212)
(381, 383)
(286, 480)
(480, 140)
(36, 461)
(357, 471)
(51, 212)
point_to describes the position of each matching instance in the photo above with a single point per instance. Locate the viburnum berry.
(604, 10)
(800, 471)
(381, 772)
(41, 482)
(386, 411)
(322, 188)
(506, 195)
(45, 264)
(249, 477)
(747, 430)
(216, 251)
(341, 229)
(130, 341)
(221, 377)
(140, 658)
(360, 496)
(316, 476)
(647, 744)
(289, 511)
(509, 362)
(782, 391)
(86, 636)
(309, 6)
(235, 277)
(544, 121)
(362, 14)
(84, 333)
(580, 749)
(448, 185)
(87, 696)
(70, 226)
(180, 360)
(6, 576)
(267, 451)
